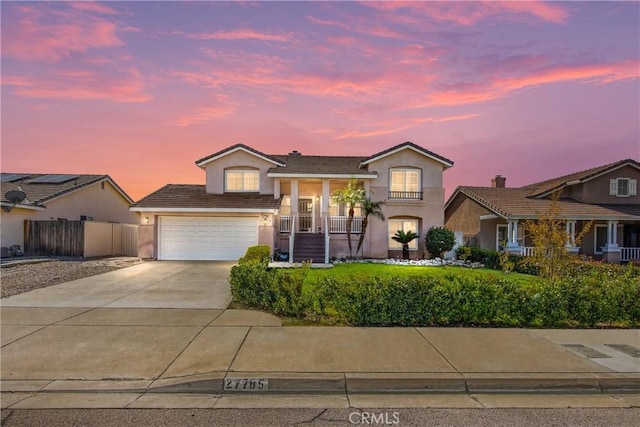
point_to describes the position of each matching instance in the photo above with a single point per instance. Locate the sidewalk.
(121, 357)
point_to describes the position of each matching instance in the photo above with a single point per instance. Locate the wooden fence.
(80, 238)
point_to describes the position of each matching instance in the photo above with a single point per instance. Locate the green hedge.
(256, 253)
(599, 295)
(459, 300)
(256, 285)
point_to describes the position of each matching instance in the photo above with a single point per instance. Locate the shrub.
(256, 253)
(439, 240)
(491, 259)
(591, 300)
(255, 285)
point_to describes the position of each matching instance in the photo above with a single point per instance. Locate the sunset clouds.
(175, 81)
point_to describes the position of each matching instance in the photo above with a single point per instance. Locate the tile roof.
(514, 202)
(195, 196)
(235, 148)
(550, 185)
(321, 165)
(409, 144)
(38, 194)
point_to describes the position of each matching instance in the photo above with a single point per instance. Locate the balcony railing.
(285, 223)
(338, 224)
(629, 254)
(411, 195)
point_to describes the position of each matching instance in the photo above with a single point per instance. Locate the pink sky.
(140, 90)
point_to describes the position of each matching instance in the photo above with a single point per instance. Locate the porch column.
(325, 198)
(294, 197)
(611, 252)
(612, 234)
(571, 237)
(276, 188)
(512, 235)
(365, 185)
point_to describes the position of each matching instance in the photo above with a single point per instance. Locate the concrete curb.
(299, 382)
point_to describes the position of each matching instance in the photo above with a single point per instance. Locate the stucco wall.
(102, 204)
(463, 214)
(597, 190)
(237, 160)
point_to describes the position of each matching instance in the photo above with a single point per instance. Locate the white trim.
(21, 206)
(201, 164)
(583, 180)
(406, 147)
(85, 185)
(405, 169)
(315, 175)
(203, 210)
(490, 216)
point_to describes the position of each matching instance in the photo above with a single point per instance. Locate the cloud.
(51, 32)
(467, 93)
(204, 114)
(109, 84)
(358, 25)
(469, 13)
(238, 34)
(93, 6)
(395, 126)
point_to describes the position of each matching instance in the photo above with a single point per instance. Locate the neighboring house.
(606, 195)
(60, 196)
(284, 201)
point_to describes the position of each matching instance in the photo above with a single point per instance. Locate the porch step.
(309, 247)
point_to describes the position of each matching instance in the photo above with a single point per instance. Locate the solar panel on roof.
(11, 177)
(53, 179)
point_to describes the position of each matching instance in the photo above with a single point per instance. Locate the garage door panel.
(206, 238)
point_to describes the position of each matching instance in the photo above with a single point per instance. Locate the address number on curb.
(246, 384)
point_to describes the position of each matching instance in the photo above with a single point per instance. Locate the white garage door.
(206, 238)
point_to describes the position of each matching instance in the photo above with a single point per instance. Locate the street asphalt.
(159, 335)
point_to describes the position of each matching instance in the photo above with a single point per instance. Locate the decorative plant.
(368, 208)
(351, 195)
(439, 240)
(405, 238)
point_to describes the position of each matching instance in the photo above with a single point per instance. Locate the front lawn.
(368, 294)
(370, 270)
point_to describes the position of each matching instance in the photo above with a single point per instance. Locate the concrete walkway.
(128, 349)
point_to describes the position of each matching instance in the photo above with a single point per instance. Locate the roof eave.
(320, 176)
(445, 162)
(202, 210)
(206, 160)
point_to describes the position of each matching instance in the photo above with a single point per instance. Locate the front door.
(305, 215)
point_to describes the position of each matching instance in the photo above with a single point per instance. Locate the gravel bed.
(27, 275)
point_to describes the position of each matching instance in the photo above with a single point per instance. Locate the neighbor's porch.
(608, 240)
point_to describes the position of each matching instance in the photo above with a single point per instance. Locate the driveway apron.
(157, 284)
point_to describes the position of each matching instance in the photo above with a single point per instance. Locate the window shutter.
(633, 187)
(613, 187)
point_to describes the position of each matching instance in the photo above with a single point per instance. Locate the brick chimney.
(499, 181)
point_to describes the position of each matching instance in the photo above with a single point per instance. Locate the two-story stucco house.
(605, 196)
(284, 201)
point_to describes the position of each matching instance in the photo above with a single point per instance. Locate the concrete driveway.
(157, 284)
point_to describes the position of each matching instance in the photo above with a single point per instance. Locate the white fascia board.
(490, 216)
(203, 210)
(407, 147)
(583, 217)
(83, 186)
(319, 176)
(219, 156)
(21, 206)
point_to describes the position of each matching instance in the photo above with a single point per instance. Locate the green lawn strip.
(356, 270)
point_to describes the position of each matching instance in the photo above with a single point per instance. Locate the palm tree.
(351, 195)
(405, 238)
(368, 208)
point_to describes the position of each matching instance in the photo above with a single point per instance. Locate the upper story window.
(622, 187)
(405, 184)
(242, 180)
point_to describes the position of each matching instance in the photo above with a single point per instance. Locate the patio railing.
(528, 251)
(338, 224)
(285, 223)
(628, 254)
